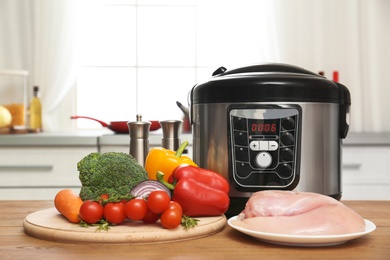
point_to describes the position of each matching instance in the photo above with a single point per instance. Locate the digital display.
(270, 126)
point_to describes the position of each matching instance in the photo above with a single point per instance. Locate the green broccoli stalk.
(112, 173)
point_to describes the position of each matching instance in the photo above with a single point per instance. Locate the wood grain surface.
(226, 244)
(48, 224)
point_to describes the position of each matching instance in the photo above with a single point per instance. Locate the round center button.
(263, 159)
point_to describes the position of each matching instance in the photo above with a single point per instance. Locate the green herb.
(188, 222)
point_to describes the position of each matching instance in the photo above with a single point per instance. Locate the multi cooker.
(270, 126)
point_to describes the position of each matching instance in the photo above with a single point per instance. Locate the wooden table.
(228, 244)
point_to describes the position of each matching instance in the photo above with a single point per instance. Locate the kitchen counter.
(123, 139)
(107, 137)
(79, 138)
(228, 244)
(49, 160)
(362, 139)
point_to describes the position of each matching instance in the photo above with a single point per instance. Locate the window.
(140, 57)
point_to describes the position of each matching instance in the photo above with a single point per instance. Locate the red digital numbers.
(263, 128)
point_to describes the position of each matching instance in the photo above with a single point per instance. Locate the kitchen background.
(114, 59)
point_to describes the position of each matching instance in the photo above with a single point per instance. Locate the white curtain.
(39, 36)
(350, 36)
(14, 25)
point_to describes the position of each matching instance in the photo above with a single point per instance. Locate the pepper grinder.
(139, 139)
(171, 133)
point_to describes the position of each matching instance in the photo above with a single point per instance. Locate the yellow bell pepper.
(166, 161)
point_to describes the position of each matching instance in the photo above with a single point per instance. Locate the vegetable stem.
(181, 149)
(160, 178)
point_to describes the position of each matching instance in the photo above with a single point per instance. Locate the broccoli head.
(112, 173)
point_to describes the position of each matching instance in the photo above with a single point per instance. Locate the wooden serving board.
(49, 224)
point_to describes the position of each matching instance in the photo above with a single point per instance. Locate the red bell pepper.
(205, 176)
(197, 196)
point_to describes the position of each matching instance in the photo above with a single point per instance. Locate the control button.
(263, 159)
(241, 154)
(288, 123)
(287, 138)
(240, 138)
(263, 145)
(285, 170)
(239, 123)
(272, 180)
(273, 145)
(254, 145)
(286, 155)
(243, 170)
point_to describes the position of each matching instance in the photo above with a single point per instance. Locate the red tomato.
(114, 212)
(150, 217)
(175, 205)
(136, 209)
(91, 212)
(171, 218)
(158, 201)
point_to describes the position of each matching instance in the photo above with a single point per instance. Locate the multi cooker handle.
(269, 67)
(344, 110)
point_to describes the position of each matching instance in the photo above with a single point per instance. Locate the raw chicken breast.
(298, 213)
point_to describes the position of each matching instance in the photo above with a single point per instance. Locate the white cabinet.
(38, 166)
(366, 172)
(39, 172)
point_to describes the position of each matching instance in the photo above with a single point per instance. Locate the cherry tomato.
(114, 212)
(158, 201)
(175, 205)
(91, 212)
(150, 217)
(171, 218)
(136, 209)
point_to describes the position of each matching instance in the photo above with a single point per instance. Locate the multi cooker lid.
(273, 83)
(269, 83)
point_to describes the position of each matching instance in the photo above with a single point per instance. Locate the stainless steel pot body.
(319, 144)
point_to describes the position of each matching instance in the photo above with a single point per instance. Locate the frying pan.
(119, 127)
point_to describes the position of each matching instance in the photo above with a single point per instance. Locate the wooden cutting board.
(49, 224)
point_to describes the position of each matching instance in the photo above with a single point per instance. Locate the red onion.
(143, 188)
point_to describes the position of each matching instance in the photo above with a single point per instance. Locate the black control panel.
(264, 146)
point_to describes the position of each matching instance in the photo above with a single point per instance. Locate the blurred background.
(113, 59)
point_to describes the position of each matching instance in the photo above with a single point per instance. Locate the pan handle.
(104, 124)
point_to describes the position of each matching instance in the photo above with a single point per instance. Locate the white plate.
(302, 240)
